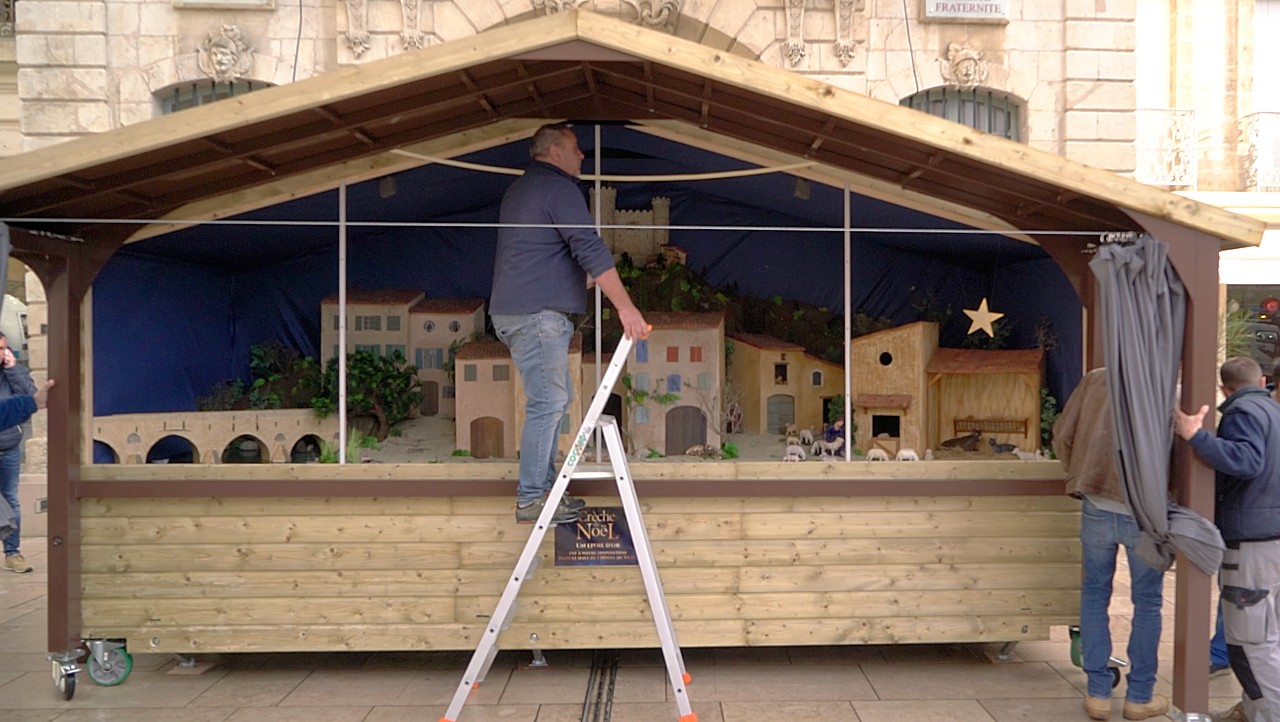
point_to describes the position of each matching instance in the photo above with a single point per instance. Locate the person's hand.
(42, 394)
(633, 324)
(8, 359)
(1186, 425)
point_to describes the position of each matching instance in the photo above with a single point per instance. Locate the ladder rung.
(593, 471)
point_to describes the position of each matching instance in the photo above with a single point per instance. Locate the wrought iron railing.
(1260, 151)
(1167, 149)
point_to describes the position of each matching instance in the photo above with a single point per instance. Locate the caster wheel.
(113, 671)
(67, 686)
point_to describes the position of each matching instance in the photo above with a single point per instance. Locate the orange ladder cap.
(687, 678)
(691, 717)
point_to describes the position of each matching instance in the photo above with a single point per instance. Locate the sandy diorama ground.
(431, 440)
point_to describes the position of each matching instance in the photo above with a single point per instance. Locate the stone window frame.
(980, 109)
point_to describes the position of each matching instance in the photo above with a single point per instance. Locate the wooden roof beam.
(474, 89)
(864, 152)
(935, 159)
(648, 82)
(704, 115)
(530, 85)
(995, 201)
(827, 129)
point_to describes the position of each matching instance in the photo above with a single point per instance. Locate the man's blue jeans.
(1102, 533)
(539, 344)
(10, 471)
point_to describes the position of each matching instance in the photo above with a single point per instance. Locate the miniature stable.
(284, 557)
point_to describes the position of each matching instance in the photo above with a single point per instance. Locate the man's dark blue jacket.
(1246, 455)
(544, 269)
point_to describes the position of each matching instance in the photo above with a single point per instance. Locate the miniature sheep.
(795, 450)
(877, 455)
(907, 455)
(794, 441)
(928, 454)
(1027, 455)
(806, 437)
(792, 457)
(827, 448)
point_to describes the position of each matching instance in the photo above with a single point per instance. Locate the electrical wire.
(455, 224)
(297, 46)
(911, 50)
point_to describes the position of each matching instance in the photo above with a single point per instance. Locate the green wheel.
(114, 670)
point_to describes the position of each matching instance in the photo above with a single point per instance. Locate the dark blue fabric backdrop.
(174, 315)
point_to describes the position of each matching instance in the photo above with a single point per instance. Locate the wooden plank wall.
(313, 574)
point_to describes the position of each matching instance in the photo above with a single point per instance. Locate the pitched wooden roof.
(977, 361)
(304, 137)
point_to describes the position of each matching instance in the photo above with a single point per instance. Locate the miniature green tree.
(383, 387)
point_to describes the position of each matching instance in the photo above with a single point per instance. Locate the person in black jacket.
(1246, 456)
(15, 380)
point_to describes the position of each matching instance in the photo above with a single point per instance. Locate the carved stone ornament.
(357, 27)
(656, 14)
(225, 55)
(551, 7)
(411, 33)
(845, 44)
(794, 46)
(964, 67)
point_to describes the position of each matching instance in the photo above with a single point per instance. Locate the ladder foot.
(691, 717)
(687, 678)
(445, 719)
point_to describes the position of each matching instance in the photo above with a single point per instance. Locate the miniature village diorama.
(719, 377)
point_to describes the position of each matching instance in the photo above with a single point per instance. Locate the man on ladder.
(548, 256)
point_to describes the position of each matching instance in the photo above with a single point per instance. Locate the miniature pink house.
(490, 400)
(683, 355)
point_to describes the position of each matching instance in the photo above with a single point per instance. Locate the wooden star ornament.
(982, 319)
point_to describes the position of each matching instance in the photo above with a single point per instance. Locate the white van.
(13, 322)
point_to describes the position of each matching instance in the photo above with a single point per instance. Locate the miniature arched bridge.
(132, 436)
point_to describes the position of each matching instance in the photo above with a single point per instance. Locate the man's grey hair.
(545, 137)
(1238, 372)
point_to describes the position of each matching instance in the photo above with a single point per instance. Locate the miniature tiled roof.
(762, 341)
(447, 305)
(975, 361)
(490, 349)
(683, 319)
(475, 350)
(379, 295)
(882, 401)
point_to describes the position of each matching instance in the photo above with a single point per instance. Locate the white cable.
(714, 175)
(443, 224)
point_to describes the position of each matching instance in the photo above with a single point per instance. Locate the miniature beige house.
(780, 384)
(888, 389)
(435, 325)
(643, 242)
(996, 393)
(490, 400)
(422, 330)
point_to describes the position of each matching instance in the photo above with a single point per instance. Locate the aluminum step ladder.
(500, 620)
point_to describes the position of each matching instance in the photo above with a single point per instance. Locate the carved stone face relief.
(964, 67)
(225, 55)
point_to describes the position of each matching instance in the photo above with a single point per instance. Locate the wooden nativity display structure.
(284, 557)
